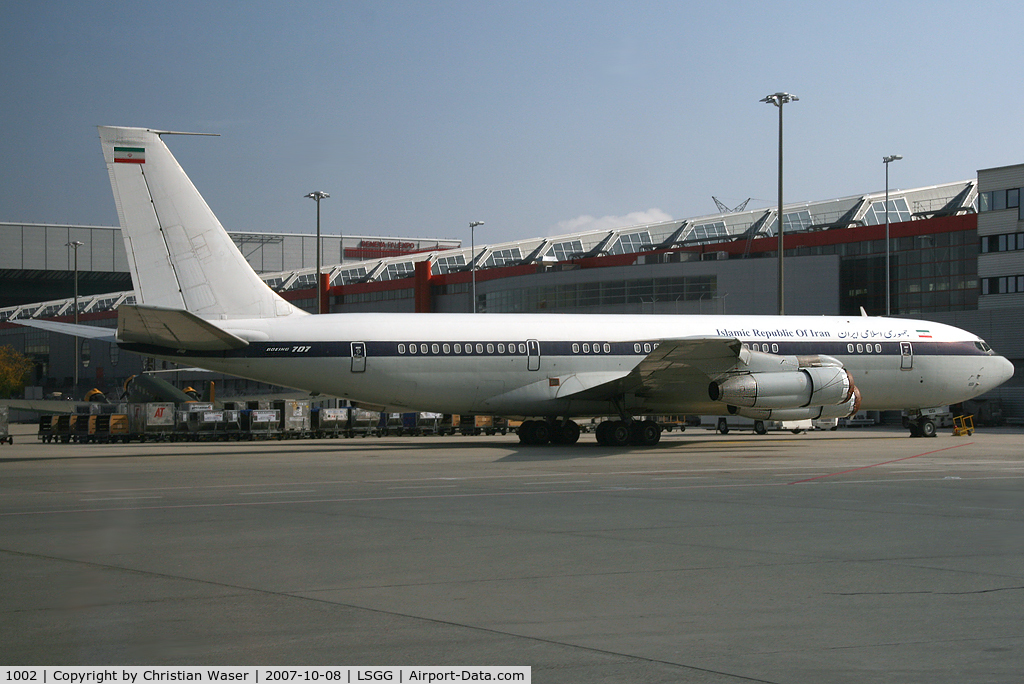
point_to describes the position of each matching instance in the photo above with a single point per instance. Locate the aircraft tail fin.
(179, 255)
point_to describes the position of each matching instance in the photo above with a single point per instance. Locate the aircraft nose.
(1001, 372)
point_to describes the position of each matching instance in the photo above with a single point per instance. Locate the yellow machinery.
(963, 425)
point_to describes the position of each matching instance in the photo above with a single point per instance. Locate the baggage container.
(364, 423)
(295, 421)
(329, 422)
(152, 420)
(260, 423)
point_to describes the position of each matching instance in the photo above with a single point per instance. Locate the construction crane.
(726, 210)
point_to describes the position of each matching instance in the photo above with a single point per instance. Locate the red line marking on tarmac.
(875, 465)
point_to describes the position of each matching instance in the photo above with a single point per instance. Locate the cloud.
(584, 223)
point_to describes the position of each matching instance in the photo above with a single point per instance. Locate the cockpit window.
(983, 346)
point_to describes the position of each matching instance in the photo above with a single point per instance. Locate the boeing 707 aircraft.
(199, 302)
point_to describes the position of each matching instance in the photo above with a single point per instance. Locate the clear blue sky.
(418, 117)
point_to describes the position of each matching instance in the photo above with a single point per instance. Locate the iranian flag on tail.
(129, 155)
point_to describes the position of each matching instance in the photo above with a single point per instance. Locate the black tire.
(927, 428)
(618, 433)
(723, 426)
(759, 427)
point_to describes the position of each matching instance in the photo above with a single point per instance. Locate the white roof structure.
(904, 205)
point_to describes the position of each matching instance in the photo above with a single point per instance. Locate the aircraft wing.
(88, 331)
(676, 366)
(172, 328)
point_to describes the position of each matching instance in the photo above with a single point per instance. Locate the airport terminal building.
(956, 256)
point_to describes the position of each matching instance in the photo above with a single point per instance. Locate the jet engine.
(788, 388)
(844, 410)
(820, 386)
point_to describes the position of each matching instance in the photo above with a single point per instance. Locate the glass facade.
(600, 294)
(937, 272)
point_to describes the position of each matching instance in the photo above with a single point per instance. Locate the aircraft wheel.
(759, 427)
(647, 433)
(566, 433)
(915, 430)
(723, 426)
(602, 432)
(618, 433)
(541, 432)
(927, 428)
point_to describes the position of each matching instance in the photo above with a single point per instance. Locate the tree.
(14, 370)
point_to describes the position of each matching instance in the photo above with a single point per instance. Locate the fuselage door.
(533, 355)
(906, 356)
(358, 357)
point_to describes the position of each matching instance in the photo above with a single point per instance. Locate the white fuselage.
(533, 365)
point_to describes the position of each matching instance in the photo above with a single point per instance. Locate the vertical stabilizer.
(179, 254)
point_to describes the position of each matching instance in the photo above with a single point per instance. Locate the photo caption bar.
(261, 674)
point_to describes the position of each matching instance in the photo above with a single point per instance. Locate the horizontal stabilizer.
(91, 332)
(173, 329)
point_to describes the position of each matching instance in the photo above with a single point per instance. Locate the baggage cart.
(5, 428)
(46, 424)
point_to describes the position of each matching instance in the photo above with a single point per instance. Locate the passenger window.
(860, 348)
(501, 348)
(775, 349)
(446, 348)
(575, 347)
(636, 348)
(586, 347)
(412, 348)
(607, 348)
(597, 347)
(434, 348)
(757, 347)
(490, 348)
(647, 347)
(401, 349)
(522, 348)
(849, 348)
(423, 349)
(878, 349)
(479, 348)
(458, 348)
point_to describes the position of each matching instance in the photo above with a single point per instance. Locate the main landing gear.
(609, 433)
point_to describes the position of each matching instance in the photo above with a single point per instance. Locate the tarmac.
(850, 556)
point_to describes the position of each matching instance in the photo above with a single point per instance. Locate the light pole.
(472, 257)
(888, 298)
(75, 244)
(779, 99)
(317, 196)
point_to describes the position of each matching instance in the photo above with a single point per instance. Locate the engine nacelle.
(844, 410)
(813, 386)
